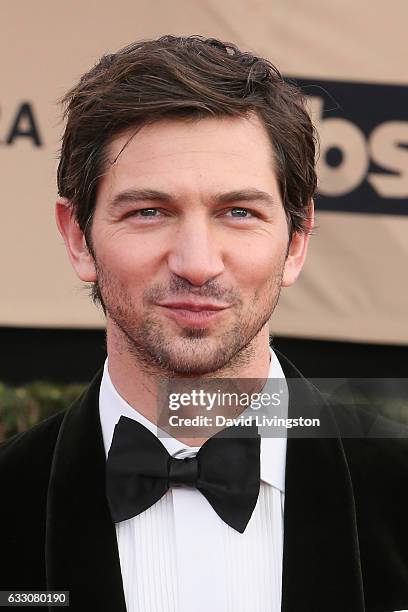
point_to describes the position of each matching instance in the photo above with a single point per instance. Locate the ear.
(79, 255)
(297, 251)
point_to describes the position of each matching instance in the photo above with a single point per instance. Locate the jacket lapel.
(321, 561)
(81, 547)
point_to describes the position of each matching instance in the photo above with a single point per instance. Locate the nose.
(196, 251)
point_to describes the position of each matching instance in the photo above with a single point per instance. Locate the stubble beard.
(151, 341)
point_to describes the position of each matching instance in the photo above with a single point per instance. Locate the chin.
(195, 363)
(197, 358)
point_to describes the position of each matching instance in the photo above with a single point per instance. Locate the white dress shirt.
(179, 555)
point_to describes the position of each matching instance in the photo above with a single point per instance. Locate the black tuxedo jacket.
(345, 521)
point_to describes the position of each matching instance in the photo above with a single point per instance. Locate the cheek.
(130, 258)
(125, 271)
(258, 265)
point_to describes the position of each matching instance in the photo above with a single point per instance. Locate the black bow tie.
(226, 470)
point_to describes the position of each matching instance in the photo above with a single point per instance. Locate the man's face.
(190, 239)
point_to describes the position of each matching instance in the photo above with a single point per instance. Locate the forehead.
(185, 153)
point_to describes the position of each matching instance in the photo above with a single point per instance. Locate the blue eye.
(240, 212)
(148, 212)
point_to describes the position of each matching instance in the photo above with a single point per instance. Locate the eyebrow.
(131, 196)
(247, 195)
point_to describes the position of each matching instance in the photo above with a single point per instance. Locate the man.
(186, 181)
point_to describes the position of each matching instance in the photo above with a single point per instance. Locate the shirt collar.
(112, 406)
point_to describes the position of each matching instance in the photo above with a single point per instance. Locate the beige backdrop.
(354, 286)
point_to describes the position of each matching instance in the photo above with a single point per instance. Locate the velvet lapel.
(321, 561)
(81, 547)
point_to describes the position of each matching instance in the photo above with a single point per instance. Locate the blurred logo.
(363, 128)
(19, 125)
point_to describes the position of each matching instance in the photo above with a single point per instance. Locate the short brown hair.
(183, 77)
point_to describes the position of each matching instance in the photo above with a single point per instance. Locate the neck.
(138, 384)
